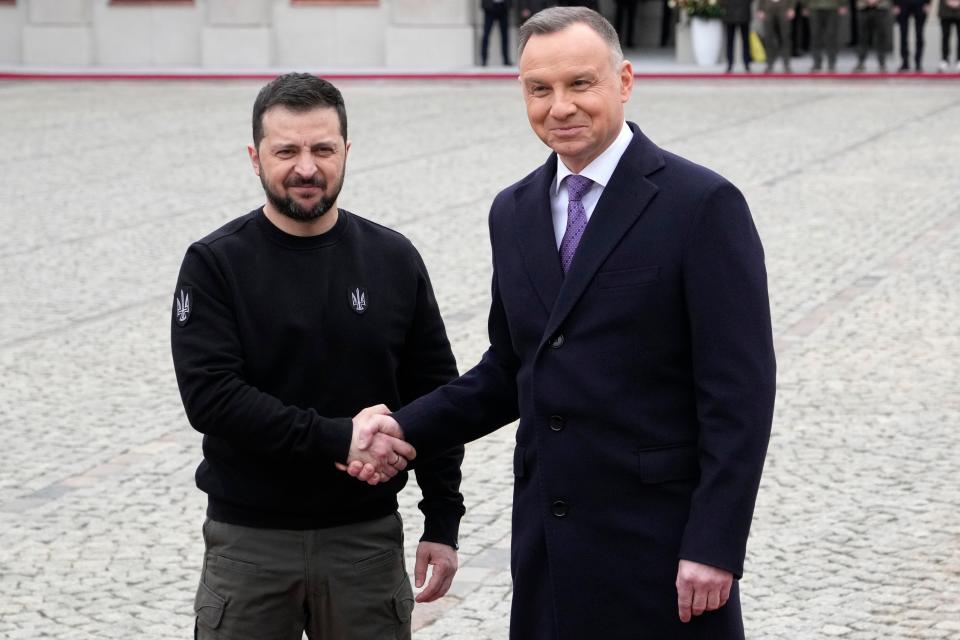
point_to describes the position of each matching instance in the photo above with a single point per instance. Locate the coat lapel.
(534, 231)
(623, 201)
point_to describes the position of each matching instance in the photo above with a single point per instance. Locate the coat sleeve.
(478, 402)
(208, 360)
(427, 363)
(734, 373)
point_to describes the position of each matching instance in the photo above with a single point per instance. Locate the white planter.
(707, 38)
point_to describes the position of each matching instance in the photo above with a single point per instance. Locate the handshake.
(377, 449)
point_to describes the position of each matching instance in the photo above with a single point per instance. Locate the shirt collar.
(602, 166)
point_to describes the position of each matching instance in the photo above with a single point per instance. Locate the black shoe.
(859, 68)
(904, 67)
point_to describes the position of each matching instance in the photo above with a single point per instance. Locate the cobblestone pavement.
(854, 190)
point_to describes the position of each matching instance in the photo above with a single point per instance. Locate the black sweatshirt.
(278, 341)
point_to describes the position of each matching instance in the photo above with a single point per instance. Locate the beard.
(289, 207)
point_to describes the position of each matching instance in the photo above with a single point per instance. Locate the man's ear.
(626, 80)
(254, 158)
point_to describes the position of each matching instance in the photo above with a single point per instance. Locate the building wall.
(12, 19)
(261, 34)
(238, 34)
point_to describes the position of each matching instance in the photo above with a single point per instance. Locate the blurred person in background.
(825, 31)
(918, 10)
(527, 8)
(777, 17)
(496, 11)
(949, 18)
(625, 18)
(589, 4)
(736, 15)
(873, 16)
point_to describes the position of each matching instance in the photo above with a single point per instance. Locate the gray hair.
(556, 19)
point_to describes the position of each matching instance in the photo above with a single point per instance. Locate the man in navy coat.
(630, 334)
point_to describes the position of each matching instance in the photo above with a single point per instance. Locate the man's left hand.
(443, 558)
(700, 588)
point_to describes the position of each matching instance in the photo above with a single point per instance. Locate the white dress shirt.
(599, 171)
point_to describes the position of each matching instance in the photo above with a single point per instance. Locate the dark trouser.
(342, 582)
(776, 29)
(945, 24)
(744, 38)
(500, 16)
(873, 30)
(914, 9)
(823, 36)
(626, 16)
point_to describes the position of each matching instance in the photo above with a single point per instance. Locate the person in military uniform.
(777, 17)
(824, 31)
(872, 18)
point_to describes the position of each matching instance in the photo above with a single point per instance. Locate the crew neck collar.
(332, 236)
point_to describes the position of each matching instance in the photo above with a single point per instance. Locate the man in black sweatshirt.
(284, 320)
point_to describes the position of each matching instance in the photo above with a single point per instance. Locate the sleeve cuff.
(442, 527)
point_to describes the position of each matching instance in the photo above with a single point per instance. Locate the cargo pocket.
(208, 607)
(403, 601)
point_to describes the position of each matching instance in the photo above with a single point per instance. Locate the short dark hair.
(556, 19)
(297, 92)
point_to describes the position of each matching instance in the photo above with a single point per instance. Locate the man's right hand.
(374, 423)
(377, 453)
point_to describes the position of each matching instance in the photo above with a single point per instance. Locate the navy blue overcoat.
(644, 382)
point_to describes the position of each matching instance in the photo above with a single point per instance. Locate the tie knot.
(577, 186)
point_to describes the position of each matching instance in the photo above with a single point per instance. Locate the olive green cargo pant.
(341, 583)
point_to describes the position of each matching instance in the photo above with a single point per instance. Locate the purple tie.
(576, 218)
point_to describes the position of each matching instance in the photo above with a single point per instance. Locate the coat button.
(559, 508)
(557, 423)
(557, 341)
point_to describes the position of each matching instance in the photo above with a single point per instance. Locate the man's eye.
(284, 153)
(538, 91)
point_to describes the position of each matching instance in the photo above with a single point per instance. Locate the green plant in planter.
(708, 9)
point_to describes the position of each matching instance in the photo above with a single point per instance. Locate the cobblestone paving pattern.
(854, 190)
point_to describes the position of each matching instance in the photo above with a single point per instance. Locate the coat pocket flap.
(208, 607)
(519, 467)
(680, 462)
(627, 277)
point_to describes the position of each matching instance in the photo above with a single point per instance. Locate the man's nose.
(562, 106)
(305, 166)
